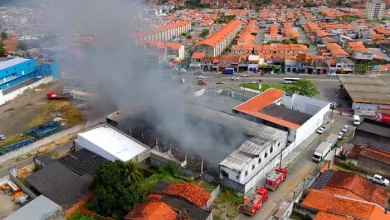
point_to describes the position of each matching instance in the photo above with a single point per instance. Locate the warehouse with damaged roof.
(369, 94)
(243, 151)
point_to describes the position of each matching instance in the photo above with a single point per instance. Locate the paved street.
(298, 170)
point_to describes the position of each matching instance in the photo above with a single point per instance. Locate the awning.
(347, 70)
(277, 67)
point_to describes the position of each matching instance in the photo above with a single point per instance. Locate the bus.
(290, 80)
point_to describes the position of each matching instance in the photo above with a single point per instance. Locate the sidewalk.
(298, 150)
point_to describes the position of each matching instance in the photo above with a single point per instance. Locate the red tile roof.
(150, 211)
(254, 105)
(189, 191)
(329, 216)
(359, 186)
(329, 203)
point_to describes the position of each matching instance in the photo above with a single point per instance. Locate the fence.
(214, 194)
(45, 141)
(14, 94)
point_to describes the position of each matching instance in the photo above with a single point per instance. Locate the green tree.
(78, 216)
(117, 189)
(21, 46)
(4, 35)
(2, 51)
(204, 33)
(303, 87)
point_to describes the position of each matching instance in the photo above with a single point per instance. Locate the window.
(246, 173)
(278, 144)
(253, 167)
(265, 155)
(237, 177)
(271, 150)
(225, 174)
(259, 160)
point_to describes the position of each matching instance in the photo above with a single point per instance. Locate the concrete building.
(215, 44)
(369, 94)
(163, 33)
(19, 70)
(299, 115)
(375, 9)
(112, 144)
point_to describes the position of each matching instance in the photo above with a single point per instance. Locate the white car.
(253, 82)
(379, 180)
(2, 137)
(234, 78)
(201, 77)
(321, 130)
(344, 129)
(244, 75)
(340, 136)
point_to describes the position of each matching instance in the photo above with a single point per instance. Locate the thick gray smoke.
(117, 67)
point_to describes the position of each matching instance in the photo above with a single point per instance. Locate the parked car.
(321, 130)
(244, 75)
(201, 77)
(197, 73)
(340, 135)
(234, 78)
(2, 137)
(253, 82)
(379, 180)
(219, 82)
(345, 129)
(333, 105)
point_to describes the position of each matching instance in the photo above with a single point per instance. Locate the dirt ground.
(6, 205)
(18, 113)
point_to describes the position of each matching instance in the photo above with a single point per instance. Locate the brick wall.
(373, 166)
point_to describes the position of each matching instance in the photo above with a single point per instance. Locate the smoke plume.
(116, 69)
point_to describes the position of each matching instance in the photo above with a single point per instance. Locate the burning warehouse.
(237, 151)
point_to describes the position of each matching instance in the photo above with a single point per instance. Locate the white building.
(112, 144)
(247, 165)
(369, 94)
(375, 9)
(299, 115)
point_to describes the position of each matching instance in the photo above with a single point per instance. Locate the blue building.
(18, 70)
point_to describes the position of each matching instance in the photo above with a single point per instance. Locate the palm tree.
(131, 173)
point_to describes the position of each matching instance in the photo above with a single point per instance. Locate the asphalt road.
(297, 171)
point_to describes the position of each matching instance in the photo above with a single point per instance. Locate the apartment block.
(375, 9)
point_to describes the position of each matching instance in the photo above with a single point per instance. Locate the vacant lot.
(32, 109)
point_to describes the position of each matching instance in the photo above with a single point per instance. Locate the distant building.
(375, 9)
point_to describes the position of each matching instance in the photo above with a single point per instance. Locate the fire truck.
(253, 203)
(275, 177)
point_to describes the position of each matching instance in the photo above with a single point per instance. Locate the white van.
(356, 120)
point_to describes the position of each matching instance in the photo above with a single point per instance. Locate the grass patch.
(265, 86)
(152, 180)
(62, 109)
(297, 216)
(13, 139)
(227, 205)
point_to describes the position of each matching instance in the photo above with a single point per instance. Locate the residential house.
(369, 159)
(163, 33)
(359, 52)
(271, 34)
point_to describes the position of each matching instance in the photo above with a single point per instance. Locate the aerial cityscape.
(195, 109)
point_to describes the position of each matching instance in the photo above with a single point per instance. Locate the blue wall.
(49, 69)
(13, 72)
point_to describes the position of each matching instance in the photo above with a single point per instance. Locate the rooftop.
(60, 184)
(366, 89)
(255, 106)
(368, 132)
(39, 208)
(114, 142)
(286, 114)
(82, 162)
(344, 206)
(12, 62)
(345, 183)
(190, 192)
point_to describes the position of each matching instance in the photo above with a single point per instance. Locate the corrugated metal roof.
(12, 62)
(39, 208)
(236, 161)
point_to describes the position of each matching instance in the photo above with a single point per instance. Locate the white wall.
(304, 104)
(311, 125)
(367, 106)
(14, 94)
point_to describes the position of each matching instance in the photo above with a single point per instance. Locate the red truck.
(55, 96)
(275, 177)
(253, 203)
